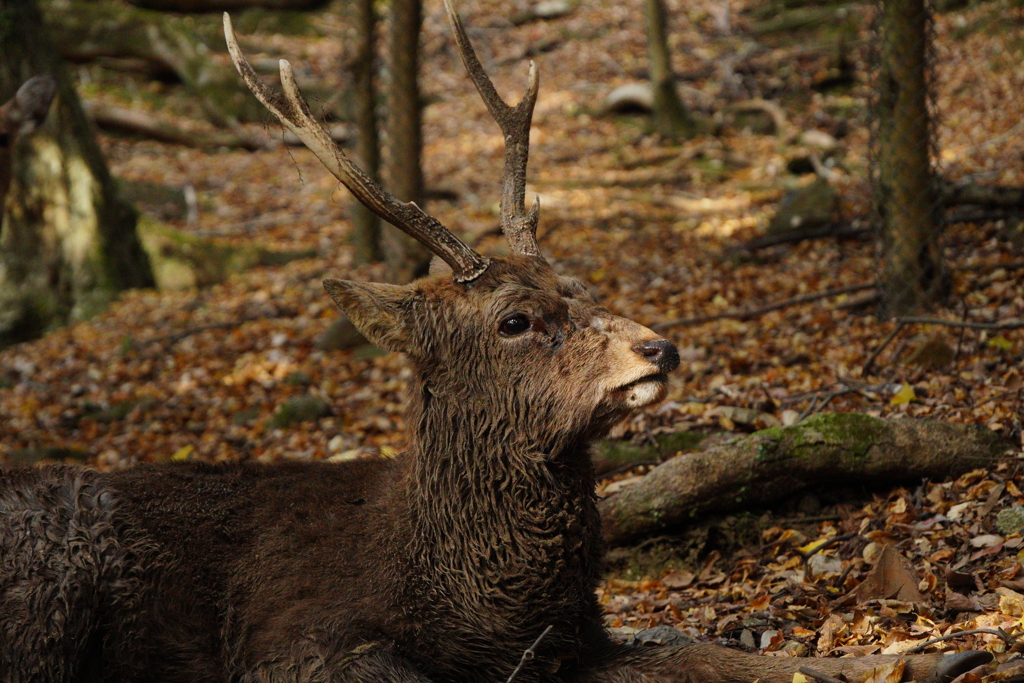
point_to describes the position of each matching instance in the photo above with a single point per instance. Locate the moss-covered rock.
(807, 207)
(1010, 520)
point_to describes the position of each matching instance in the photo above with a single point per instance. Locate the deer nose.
(661, 352)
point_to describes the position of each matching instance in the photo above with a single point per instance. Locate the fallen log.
(85, 31)
(159, 128)
(954, 194)
(764, 467)
(137, 122)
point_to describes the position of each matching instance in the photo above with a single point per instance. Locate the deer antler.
(294, 113)
(520, 227)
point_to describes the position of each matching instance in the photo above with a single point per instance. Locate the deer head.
(486, 333)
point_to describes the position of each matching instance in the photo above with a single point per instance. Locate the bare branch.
(530, 651)
(519, 226)
(878, 349)
(294, 114)
(757, 312)
(1004, 325)
(1007, 638)
(818, 675)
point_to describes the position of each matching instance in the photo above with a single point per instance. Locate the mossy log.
(769, 465)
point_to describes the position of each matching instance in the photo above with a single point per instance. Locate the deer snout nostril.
(661, 352)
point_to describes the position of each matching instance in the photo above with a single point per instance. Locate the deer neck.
(489, 504)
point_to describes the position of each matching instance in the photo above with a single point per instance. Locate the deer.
(471, 557)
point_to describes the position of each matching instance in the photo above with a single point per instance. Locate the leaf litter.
(656, 229)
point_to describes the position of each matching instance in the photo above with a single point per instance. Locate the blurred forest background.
(820, 203)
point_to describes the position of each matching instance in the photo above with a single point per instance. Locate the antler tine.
(294, 114)
(520, 227)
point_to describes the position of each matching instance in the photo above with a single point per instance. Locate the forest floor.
(658, 231)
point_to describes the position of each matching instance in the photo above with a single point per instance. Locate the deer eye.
(517, 323)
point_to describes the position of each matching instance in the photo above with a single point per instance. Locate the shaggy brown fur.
(442, 564)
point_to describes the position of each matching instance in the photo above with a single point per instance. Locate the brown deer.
(446, 563)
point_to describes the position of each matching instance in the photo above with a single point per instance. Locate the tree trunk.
(671, 119)
(366, 235)
(914, 276)
(67, 241)
(405, 257)
(826, 449)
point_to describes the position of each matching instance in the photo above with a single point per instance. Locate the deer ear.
(375, 309)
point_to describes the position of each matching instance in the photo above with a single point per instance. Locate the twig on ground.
(819, 676)
(1006, 265)
(862, 301)
(878, 349)
(841, 386)
(809, 519)
(998, 396)
(757, 312)
(839, 230)
(1003, 325)
(814, 393)
(178, 336)
(529, 654)
(1007, 638)
(819, 403)
(841, 579)
(653, 541)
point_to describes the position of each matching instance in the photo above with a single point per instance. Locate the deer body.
(444, 564)
(451, 558)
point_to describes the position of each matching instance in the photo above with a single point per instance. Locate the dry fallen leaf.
(679, 578)
(892, 577)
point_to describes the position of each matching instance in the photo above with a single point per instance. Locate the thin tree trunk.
(405, 257)
(671, 119)
(914, 276)
(366, 234)
(67, 240)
